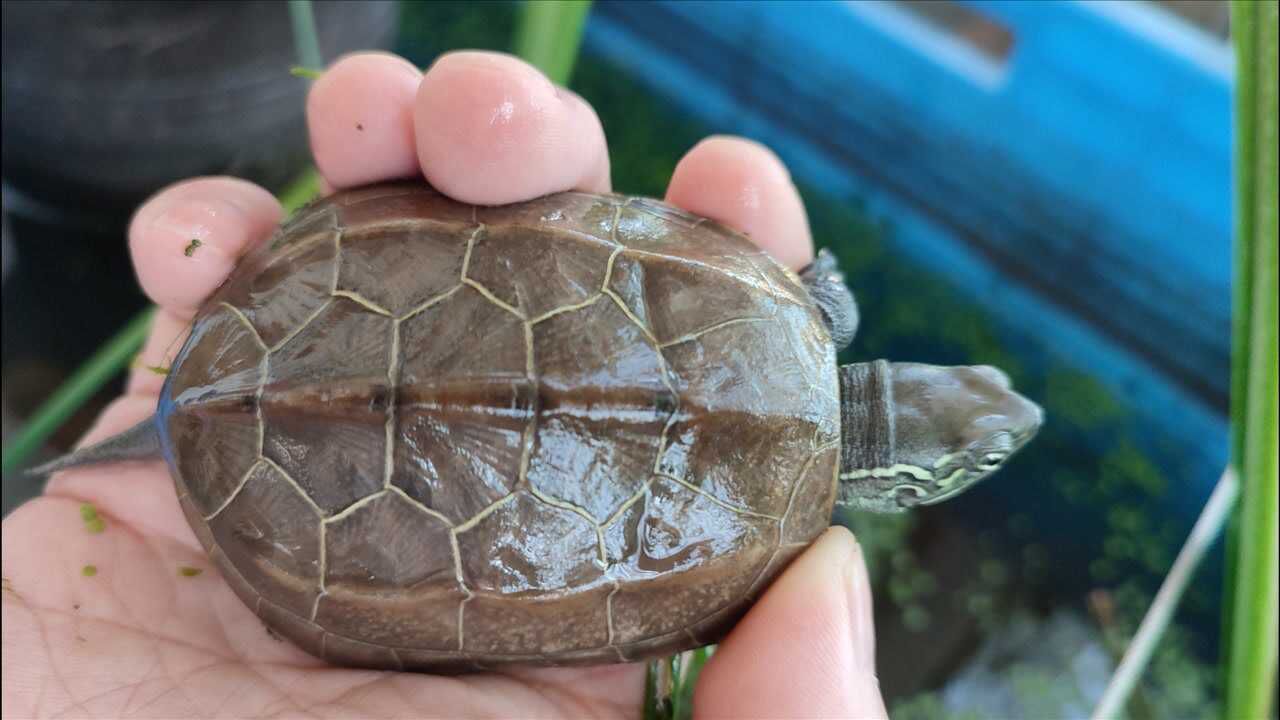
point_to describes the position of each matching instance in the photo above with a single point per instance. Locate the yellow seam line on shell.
(529, 370)
(613, 227)
(462, 583)
(608, 268)
(438, 298)
(716, 500)
(419, 506)
(264, 371)
(245, 321)
(608, 613)
(239, 486)
(356, 297)
(718, 269)
(484, 513)
(755, 582)
(632, 316)
(393, 374)
(337, 256)
(296, 486)
(795, 490)
(466, 255)
(628, 503)
(567, 308)
(488, 295)
(324, 569)
(353, 507)
(602, 560)
(662, 438)
(726, 323)
(298, 330)
(526, 452)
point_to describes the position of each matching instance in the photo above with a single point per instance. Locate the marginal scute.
(514, 264)
(698, 557)
(360, 654)
(272, 537)
(576, 213)
(395, 616)
(398, 204)
(536, 625)
(526, 545)
(672, 237)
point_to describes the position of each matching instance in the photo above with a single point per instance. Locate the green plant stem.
(101, 367)
(305, 39)
(1252, 591)
(548, 35)
(1156, 621)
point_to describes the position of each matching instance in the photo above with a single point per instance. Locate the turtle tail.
(140, 442)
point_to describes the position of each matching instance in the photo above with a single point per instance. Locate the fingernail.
(861, 611)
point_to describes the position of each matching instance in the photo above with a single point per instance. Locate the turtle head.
(933, 432)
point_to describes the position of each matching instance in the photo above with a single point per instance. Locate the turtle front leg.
(825, 283)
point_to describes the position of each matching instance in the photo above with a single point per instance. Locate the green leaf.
(1250, 615)
(548, 35)
(305, 72)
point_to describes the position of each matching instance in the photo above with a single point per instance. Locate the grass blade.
(1250, 617)
(305, 39)
(549, 33)
(1154, 623)
(83, 384)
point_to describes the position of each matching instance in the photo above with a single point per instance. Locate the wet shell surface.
(418, 434)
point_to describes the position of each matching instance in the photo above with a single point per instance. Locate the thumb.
(807, 647)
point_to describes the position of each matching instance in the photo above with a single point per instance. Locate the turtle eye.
(991, 460)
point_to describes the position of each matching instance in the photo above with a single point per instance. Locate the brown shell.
(418, 434)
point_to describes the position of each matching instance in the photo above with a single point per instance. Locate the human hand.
(141, 639)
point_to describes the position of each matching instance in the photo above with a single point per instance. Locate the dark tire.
(105, 102)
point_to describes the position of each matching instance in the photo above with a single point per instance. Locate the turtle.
(416, 434)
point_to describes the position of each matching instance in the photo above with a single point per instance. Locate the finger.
(743, 185)
(806, 649)
(360, 119)
(491, 129)
(187, 238)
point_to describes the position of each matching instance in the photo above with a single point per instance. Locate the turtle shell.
(417, 434)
